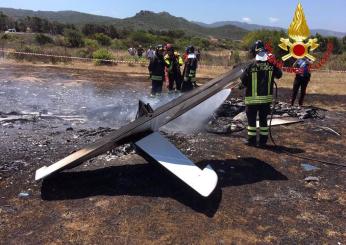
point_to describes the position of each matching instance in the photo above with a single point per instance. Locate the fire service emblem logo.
(299, 32)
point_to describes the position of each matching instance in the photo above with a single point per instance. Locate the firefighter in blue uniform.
(301, 80)
(157, 71)
(258, 79)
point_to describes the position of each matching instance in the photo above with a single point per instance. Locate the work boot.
(263, 141)
(251, 141)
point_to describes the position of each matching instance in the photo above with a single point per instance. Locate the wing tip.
(40, 173)
(208, 172)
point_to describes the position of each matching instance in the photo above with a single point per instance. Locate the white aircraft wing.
(165, 153)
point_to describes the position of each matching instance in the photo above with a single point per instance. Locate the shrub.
(25, 49)
(144, 38)
(60, 41)
(101, 55)
(103, 39)
(91, 44)
(118, 44)
(9, 37)
(43, 39)
(235, 58)
(73, 38)
(267, 36)
(84, 53)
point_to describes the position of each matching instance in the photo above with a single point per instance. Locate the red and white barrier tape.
(73, 57)
(126, 61)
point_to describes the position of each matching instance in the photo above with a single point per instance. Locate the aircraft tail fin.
(143, 109)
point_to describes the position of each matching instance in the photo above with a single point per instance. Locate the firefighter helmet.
(159, 50)
(169, 47)
(190, 49)
(257, 47)
(159, 47)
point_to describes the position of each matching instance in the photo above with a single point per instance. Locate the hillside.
(164, 21)
(66, 17)
(148, 20)
(253, 27)
(144, 20)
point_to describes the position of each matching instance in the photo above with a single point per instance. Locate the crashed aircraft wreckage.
(143, 132)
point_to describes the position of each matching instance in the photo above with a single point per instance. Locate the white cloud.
(246, 19)
(273, 19)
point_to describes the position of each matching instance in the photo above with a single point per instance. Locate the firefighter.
(157, 71)
(189, 70)
(173, 62)
(301, 80)
(258, 79)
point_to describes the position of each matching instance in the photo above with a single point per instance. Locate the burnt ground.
(262, 196)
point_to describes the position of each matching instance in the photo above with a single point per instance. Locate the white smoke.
(195, 119)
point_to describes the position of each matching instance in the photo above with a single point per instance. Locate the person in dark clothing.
(157, 71)
(301, 80)
(258, 79)
(189, 70)
(173, 62)
(140, 51)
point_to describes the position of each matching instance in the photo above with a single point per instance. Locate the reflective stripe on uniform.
(258, 99)
(254, 84)
(264, 131)
(270, 81)
(156, 78)
(191, 79)
(251, 131)
(251, 128)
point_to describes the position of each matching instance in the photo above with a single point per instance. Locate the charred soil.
(263, 195)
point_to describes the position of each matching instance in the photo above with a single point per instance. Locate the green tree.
(323, 42)
(35, 23)
(144, 38)
(267, 36)
(73, 38)
(43, 39)
(4, 22)
(344, 43)
(103, 39)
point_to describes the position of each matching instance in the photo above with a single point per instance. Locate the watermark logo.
(298, 31)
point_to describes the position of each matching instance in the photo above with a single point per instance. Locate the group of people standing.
(166, 66)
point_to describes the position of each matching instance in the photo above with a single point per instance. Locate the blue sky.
(320, 14)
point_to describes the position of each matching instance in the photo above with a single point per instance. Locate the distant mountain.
(67, 17)
(253, 27)
(147, 20)
(144, 20)
(324, 32)
(244, 25)
(164, 21)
